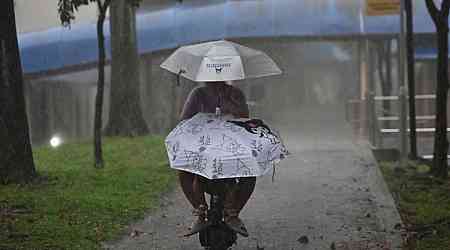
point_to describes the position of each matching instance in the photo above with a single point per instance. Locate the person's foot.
(196, 227)
(200, 223)
(234, 223)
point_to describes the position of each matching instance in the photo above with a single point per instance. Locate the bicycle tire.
(218, 237)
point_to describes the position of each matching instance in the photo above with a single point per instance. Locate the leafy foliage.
(67, 8)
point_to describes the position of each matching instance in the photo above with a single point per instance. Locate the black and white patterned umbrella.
(222, 147)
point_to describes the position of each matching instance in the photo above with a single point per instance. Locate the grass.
(424, 205)
(77, 206)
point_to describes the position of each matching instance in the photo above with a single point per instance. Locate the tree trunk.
(411, 79)
(440, 19)
(16, 158)
(440, 140)
(125, 115)
(100, 88)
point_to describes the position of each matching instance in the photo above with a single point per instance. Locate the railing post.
(373, 120)
(370, 96)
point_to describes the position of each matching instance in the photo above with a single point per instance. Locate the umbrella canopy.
(219, 147)
(220, 61)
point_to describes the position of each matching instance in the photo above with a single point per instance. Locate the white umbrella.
(220, 61)
(219, 147)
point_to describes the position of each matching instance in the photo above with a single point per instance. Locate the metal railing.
(379, 132)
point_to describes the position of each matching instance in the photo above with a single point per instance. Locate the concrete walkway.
(330, 190)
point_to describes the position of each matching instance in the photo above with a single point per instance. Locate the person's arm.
(191, 105)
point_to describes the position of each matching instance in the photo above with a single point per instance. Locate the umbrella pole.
(219, 104)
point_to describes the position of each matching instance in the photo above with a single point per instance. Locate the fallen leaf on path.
(303, 240)
(136, 233)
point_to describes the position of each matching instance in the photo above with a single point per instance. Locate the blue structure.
(195, 21)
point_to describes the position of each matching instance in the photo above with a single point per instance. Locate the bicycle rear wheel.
(218, 237)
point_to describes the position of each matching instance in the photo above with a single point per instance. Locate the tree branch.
(445, 8)
(434, 12)
(103, 7)
(99, 5)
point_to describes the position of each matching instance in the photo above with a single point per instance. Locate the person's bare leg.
(198, 190)
(235, 200)
(245, 190)
(187, 185)
(193, 190)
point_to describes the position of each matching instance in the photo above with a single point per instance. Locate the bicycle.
(217, 236)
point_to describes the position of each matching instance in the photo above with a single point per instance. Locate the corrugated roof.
(195, 21)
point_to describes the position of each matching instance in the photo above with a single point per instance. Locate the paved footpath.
(329, 190)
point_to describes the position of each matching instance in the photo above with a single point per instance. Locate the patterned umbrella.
(222, 147)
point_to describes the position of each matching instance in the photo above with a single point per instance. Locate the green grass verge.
(424, 205)
(77, 206)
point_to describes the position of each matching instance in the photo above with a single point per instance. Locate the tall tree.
(66, 9)
(125, 114)
(440, 19)
(411, 78)
(16, 158)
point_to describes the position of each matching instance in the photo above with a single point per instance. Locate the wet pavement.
(329, 194)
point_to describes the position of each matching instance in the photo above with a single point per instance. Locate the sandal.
(200, 223)
(234, 223)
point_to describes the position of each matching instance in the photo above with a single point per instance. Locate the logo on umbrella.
(218, 66)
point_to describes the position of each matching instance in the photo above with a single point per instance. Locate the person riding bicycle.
(232, 101)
